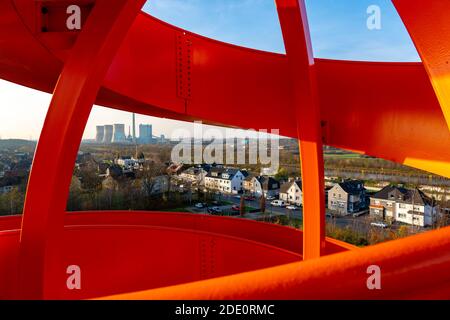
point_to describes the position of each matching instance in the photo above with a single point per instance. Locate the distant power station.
(145, 134)
(100, 134)
(108, 134)
(107, 138)
(119, 134)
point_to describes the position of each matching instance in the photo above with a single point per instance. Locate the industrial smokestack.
(119, 134)
(134, 128)
(108, 134)
(100, 134)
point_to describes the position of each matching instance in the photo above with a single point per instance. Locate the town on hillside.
(359, 211)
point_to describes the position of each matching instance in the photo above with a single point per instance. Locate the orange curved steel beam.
(302, 75)
(412, 268)
(182, 79)
(392, 106)
(74, 95)
(430, 31)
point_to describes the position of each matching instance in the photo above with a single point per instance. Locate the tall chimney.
(134, 128)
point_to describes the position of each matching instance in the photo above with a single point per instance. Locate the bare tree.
(242, 206)
(262, 203)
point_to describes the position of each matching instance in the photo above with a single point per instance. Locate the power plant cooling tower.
(100, 134)
(107, 138)
(119, 134)
(145, 133)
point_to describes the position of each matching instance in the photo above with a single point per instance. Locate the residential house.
(347, 197)
(404, 205)
(226, 180)
(194, 175)
(247, 185)
(129, 163)
(291, 192)
(174, 168)
(8, 184)
(270, 187)
(262, 185)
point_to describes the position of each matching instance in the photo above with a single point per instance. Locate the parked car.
(200, 205)
(270, 198)
(329, 215)
(236, 208)
(214, 210)
(292, 207)
(249, 198)
(278, 203)
(357, 214)
(237, 197)
(379, 224)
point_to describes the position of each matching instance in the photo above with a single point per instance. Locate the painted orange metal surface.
(119, 252)
(127, 60)
(142, 79)
(430, 31)
(412, 268)
(74, 95)
(302, 74)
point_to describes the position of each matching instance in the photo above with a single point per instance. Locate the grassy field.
(343, 155)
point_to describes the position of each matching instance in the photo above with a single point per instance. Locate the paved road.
(361, 223)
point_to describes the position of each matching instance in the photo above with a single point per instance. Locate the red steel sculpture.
(122, 58)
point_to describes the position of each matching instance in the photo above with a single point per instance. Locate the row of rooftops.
(354, 187)
(225, 173)
(403, 195)
(389, 193)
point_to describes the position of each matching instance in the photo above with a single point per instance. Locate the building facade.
(194, 175)
(347, 197)
(404, 205)
(262, 185)
(291, 192)
(225, 180)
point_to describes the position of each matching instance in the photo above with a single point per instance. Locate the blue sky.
(338, 29)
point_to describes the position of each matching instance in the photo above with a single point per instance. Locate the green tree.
(282, 174)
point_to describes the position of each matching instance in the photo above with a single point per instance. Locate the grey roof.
(403, 195)
(285, 187)
(249, 177)
(221, 171)
(193, 171)
(267, 183)
(352, 186)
